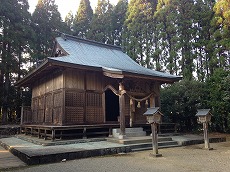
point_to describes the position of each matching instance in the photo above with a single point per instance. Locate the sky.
(64, 6)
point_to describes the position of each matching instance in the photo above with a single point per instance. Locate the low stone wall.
(194, 142)
(51, 158)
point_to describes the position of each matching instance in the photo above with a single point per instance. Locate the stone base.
(129, 132)
(121, 137)
(155, 155)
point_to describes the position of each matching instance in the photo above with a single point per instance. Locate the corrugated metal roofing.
(93, 54)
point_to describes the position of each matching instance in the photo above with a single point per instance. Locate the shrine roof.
(91, 55)
(107, 57)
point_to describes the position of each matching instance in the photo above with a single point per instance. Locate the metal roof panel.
(91, 53)
(202, 112)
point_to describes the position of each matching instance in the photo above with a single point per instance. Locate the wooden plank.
(93, 81)
(57, 107)
(57, 81)
(74, 79)
(48, 107)
(103, 107)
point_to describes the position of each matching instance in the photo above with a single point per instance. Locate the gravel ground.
(179, 159)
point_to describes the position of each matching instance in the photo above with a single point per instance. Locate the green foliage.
(118, 19)
(46, 22)
(83, 19)
(222, 11)
(101, 25)
(69, 20)
(138, 28)
(186, 37)
(221, 34)
(15, 35)
(180, 101)
(167, 36)
(219, 99)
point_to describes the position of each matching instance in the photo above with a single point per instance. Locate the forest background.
(190, 38)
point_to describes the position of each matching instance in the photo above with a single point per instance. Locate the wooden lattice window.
(94, 111)
(74, 114)
(74, 102)
(74, 99)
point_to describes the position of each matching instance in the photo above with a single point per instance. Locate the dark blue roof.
(108, 57)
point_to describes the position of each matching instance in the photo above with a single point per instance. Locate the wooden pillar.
(206, 139)
(63, 115)
(153, 104)
(122, 110)
(131, 113)
(152, 101)
(155, 140)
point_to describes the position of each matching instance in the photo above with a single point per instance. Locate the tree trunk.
(19, 102)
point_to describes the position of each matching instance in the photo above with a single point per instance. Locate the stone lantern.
(204, 117)
(154, 117)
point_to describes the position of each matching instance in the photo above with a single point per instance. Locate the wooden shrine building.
(86, 84)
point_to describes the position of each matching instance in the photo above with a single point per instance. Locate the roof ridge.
(75, 38)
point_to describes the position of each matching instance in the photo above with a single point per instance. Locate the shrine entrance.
(111, 106)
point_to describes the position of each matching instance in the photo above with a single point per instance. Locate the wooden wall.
(83, 97)
(75, 97)
(47, 100)
(74, 79)
(47, 84)
(140, 89)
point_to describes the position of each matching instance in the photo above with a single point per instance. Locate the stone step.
(168, 134)
(138, 140)
(130, 132)
(136, 129)
(148, 146)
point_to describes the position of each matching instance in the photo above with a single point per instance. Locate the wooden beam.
(149, 77)
(113, 75)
